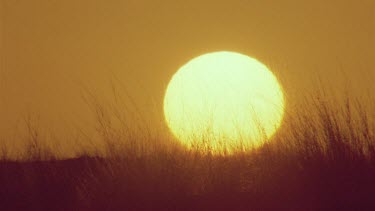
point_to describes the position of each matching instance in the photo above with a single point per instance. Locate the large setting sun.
(187, 105)
(223, 101)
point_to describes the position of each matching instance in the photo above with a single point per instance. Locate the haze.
(50, 50)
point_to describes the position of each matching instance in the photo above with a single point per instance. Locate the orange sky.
(51, 49)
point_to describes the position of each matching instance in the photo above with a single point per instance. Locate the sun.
(223, 102)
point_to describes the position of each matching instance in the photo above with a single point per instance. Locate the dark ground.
(85, 184)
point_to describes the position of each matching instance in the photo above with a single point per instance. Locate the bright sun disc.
(223, 102)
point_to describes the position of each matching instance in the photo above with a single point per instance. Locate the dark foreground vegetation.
(322, 159)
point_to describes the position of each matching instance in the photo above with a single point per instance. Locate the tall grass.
(322, 158)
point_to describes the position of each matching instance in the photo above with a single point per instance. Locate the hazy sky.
(51, 49)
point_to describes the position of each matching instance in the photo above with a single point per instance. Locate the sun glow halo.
(223, 101)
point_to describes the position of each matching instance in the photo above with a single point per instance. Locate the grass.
(322, 159)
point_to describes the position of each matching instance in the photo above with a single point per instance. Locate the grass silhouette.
(323, 158)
